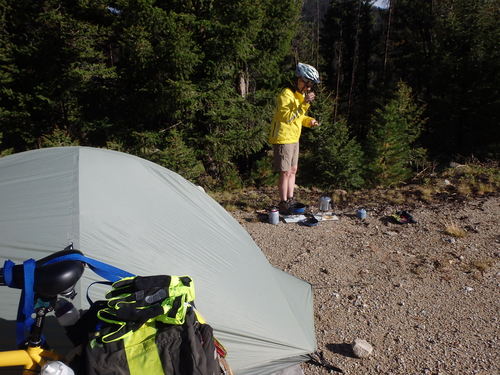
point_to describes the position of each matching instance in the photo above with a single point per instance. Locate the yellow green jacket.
(289, 118)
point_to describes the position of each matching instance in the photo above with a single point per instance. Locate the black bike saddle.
(51, 279)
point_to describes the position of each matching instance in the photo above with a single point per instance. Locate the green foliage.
(124, 76)
(337, 159)
(391, 140)
(466, 79)
(261, 172)
(169, 151)
(332, 157)
(349, 64)
(58, 138)
(191, 84)
(234, 131)
(54, 54)
(4, 152)
(446, 50)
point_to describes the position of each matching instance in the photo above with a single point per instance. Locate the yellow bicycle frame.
(32, 359)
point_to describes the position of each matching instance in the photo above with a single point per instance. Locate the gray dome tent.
(145, 219)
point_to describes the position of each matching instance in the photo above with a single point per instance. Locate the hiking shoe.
(291, 202)
(284, 208)
(403, 217)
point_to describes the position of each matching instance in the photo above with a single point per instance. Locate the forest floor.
(424, 295)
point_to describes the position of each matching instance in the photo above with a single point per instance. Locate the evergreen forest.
(191, 84)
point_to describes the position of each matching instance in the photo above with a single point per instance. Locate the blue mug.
(361, 213)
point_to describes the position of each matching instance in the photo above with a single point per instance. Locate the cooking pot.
(324, 203)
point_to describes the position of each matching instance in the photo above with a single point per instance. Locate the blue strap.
(7, 272)
(26, 305)
(104, 270)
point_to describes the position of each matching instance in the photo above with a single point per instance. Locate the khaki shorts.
(285, 157)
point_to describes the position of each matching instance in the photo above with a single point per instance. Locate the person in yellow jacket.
(286, 127)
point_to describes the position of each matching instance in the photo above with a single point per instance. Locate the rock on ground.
(361, 348)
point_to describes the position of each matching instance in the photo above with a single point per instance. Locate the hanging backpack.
(147, 325)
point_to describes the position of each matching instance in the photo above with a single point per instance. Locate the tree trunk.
(388, 38)
(354, 60)
(339, 74)
(244, 82)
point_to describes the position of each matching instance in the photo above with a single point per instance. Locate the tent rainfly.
(148, 220)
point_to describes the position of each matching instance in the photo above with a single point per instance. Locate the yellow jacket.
(289, 118)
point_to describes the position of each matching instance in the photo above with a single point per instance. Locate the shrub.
(391, 148)
(332, 158)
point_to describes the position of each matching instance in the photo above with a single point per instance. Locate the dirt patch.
(427, 301)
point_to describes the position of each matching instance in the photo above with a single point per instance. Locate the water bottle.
(66, 313)
(56, 368)
(274, 216)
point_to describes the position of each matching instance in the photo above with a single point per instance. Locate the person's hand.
(309, 97)
(314, 123)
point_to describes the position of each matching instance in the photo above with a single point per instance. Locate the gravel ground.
(427, 302)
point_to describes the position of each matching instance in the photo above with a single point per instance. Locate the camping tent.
(143, 218)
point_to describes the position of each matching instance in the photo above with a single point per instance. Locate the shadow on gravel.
(261, 216)
(318, 359)
(386, 220)
(350, 216)
(342, 349)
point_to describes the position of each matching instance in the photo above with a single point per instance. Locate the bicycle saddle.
(52, 279)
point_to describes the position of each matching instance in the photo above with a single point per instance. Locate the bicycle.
(51, 280)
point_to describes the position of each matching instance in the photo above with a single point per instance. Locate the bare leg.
(291, 182)
(286, 183)
(283, 185)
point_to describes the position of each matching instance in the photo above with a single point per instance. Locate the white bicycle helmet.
(307, 72)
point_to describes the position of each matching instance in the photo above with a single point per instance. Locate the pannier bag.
(147, 325)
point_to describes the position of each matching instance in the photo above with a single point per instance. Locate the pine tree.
(332, 157)
(55, 53)
(100, 74)
(464, 101)
(244, 44)
(169, 151)
(391, 142)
